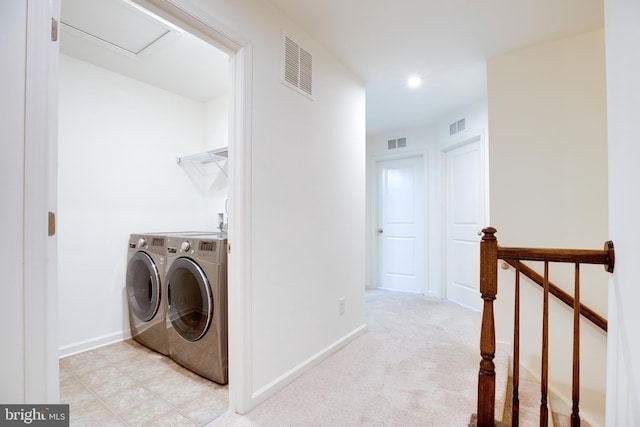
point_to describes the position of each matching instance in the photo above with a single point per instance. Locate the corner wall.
(307, 200)
(548, 185)
(623, 101)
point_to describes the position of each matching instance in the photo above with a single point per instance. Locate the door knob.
(380, 230)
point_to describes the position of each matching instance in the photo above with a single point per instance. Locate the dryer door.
(143, 286)
(190, 300)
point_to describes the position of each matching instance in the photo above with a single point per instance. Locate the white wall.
(431, 142)
(13, 21)
(548, 188)
(623, 101)
(307, 199)
(118, 143)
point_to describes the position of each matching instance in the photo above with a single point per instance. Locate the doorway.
(401, 224)
(238, 147)
(465, 217)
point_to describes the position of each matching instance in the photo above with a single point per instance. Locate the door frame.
(41, 373)
(372, 235)
(484, 160)
(240, 53)
(40, 292)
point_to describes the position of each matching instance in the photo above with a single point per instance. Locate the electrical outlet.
(341, 306)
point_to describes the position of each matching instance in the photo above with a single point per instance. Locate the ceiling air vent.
(456, 127)
(392, 144)
(297, 67)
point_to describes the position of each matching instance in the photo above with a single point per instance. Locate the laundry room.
(142, 109)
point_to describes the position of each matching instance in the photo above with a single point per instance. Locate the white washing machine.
(196, 279)
(146, 292)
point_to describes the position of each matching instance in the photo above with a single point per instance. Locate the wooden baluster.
(488, 289)
(575, 416)
(544, 410)
(515, 407)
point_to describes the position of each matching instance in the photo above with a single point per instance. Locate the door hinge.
(228, 248)
(52, 224)
(54, 30)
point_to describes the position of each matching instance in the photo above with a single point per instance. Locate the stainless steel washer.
(146, 262)
(197, 304)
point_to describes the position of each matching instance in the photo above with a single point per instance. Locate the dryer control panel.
(211, 248)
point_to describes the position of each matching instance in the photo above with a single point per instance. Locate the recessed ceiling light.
(414, 81)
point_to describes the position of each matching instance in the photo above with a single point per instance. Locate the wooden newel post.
(488, 289)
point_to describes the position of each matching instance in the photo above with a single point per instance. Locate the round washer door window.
(143, 286)
(190, 300)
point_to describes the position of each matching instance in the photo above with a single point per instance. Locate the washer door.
(190, 309)
(143, 286)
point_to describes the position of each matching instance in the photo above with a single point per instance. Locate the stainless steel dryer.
(146, 262)
(197, 304)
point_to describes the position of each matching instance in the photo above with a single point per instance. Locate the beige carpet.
(417, 365)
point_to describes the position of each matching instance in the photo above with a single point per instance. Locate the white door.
(465, 194)
(401, 218)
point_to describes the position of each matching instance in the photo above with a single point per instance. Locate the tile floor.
(126, 384)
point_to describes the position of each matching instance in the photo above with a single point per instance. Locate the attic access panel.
(92, 19)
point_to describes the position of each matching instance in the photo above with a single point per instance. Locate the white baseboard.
(434, 294)
(71, 349)
(288, 377)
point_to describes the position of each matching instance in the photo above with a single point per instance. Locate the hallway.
(417, 365)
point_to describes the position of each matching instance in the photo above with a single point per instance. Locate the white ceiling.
(446, 42)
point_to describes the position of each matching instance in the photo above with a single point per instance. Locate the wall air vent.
(392, 144)
(456, 127)
(297, 67)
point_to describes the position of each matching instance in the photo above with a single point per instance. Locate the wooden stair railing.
(585, 311)
(490, 253)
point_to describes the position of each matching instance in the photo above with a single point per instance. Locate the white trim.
(41, 375)
(147, 13)
(477, 135)
(198, 22)
(462, 143)
(53, 371)
(291, 375)
(93, 343)
(240, 235)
